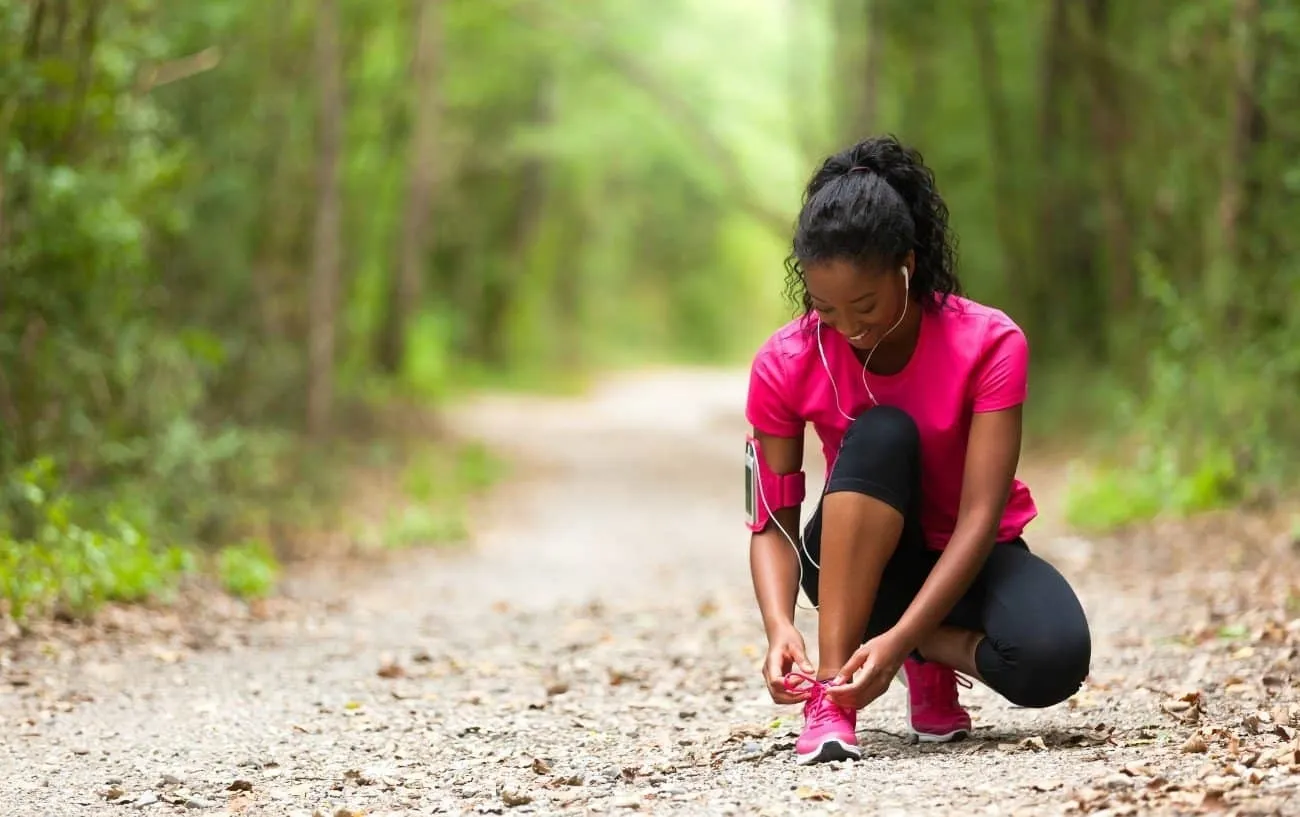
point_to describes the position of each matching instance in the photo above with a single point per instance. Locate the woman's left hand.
(867, 673)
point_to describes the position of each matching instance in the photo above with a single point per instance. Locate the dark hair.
(871, 203)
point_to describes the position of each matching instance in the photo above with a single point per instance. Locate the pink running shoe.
(934, 714)
(829, 730)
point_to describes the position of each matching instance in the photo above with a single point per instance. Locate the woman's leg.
(870, 504)
(1036, 649)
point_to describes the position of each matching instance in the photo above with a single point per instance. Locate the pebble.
(146, 799)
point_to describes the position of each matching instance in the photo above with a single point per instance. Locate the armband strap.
(766, 490)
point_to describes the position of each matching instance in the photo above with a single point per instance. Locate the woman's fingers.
(800, 659)
(856, 662)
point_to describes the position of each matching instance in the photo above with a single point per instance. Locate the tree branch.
(678, 108)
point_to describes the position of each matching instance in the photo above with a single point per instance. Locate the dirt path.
(598, 653)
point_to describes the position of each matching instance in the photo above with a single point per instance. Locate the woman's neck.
(895, 350)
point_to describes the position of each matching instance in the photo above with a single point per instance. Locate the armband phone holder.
(765, 490)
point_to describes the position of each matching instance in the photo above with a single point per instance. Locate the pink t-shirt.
(968, 358)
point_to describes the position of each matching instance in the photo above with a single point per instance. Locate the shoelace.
(821, 709)
(934, 690)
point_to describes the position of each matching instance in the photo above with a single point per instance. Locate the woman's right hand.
(785, 652)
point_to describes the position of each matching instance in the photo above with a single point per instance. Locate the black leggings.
(1037, 648)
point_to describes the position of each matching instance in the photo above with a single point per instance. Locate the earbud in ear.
(904, 271)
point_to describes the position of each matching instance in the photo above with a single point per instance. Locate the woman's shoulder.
(789, 342)
(974, 320)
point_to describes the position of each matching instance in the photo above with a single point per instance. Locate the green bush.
(67, 566)
(248, 570)
(1212, 424)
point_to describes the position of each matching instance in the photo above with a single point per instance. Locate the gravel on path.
(598, 651)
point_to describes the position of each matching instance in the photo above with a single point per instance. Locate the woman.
(914, 556)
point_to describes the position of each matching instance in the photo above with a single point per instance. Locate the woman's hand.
(867, 673)
(785, 651)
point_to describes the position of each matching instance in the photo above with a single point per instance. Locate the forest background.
(248, 249)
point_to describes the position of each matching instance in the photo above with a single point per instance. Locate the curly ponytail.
(871, 204)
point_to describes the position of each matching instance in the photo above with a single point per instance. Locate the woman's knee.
(881, 444)
(1038, 671)
(883, 426)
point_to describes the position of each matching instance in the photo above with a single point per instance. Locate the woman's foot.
(934, 714)
(829, 730)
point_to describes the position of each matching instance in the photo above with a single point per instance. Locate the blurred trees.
(1123, 178)
(220, 222)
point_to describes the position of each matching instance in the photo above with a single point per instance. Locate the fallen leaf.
(1187, 798)
(1195, 744)
(556, 687)
(1220, 783)
(1034, 744)
(748, 731)
(1046, 785)
(805, 793)
(240, 785)
(515, 798)
(618, 677)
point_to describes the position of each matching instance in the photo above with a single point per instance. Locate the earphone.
(907, 281)
(826, 366)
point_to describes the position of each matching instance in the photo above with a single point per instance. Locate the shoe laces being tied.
(820, 708)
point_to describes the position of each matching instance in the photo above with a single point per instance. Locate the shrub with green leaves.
(54, 561)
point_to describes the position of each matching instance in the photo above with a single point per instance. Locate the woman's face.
(862, 304)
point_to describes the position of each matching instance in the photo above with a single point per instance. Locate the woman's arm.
(773, 563)
(992, 455)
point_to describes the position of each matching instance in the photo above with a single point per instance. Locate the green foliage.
(611, 184)
(248, 569)
(437, 482)
(57, 557)
(1202, 431)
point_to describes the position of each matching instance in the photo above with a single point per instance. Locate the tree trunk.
(88, 39)
(1056, 45)
(499, 294)
(875, 22)
(1106, 118)
(806, 134)
(406, 287)
(1001, 144)
(1244, 121)
(857, 62)
(326, 249)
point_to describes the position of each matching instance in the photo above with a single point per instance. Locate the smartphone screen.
(751, 474)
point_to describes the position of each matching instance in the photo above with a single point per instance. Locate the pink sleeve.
(1002, 375)
(766, 407)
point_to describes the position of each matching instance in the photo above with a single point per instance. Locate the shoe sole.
(949, 737)
(829, 750)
